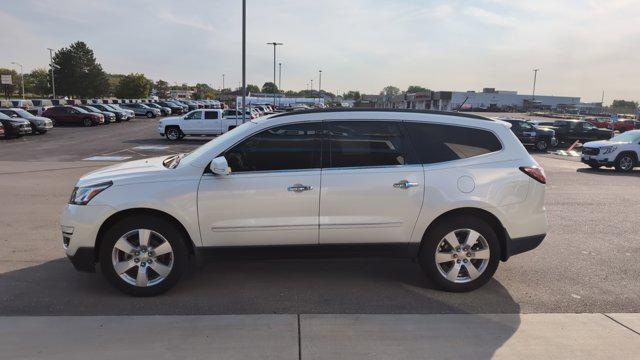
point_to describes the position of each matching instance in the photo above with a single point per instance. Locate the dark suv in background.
(529, 135)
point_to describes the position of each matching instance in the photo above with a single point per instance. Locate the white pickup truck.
(196, 122)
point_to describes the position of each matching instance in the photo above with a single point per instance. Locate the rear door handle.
(299, 188)
(404, 184)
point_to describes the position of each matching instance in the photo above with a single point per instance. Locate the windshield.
(23, 113)
(91, 108)
(81, 110)
(627, 137)
(213, 143)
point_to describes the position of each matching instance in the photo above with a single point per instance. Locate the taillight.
(535, 173)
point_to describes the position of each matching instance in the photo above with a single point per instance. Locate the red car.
(73, 115)
(600, 122)
(625, 125)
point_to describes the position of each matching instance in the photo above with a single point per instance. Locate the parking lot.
(588, 262)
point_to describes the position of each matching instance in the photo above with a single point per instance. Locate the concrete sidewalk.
(455, 336)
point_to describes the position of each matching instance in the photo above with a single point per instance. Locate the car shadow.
(608, 172)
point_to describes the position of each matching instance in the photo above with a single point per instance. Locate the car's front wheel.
(150, 115)
(542, 145)
(143, 255)
(87, 122)
(173, 134)
(460, 254)
(625, 163)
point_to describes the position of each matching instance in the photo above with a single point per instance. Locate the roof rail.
(433, 112)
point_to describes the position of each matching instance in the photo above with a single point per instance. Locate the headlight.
(608, 149)
(83, 194)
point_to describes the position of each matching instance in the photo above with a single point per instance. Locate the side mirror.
(219, 166)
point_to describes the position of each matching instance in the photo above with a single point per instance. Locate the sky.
(582, 48)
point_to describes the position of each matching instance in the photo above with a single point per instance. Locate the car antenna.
(461, 105)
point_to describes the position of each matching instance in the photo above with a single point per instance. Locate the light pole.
(280, 76)
(222, 81)
(535, 76)
(244, 59)
(275, 44)
(319, 85)
(21, 76)
(53, 83)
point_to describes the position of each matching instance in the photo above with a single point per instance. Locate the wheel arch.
(633, 154)
(485, 215)
(141, 211)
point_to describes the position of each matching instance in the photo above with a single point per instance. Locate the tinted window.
(210, 115)
(438, 143)
(289, 147)
(196, 115)
(364, 143)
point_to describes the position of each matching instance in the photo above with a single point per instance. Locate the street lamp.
(222, 81)
(275, 44)
(280, 75)
(21, 76)
(319, 85)
(535, 75)
(53, 83)
(244, 59)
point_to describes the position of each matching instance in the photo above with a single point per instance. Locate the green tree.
(352, 95)
(77, 73)
(37, 82)
(162, 89)
(390, 91)
(624, 106)
(269, 88)
(203, 91)
(15, 86)
(412, 89)
(252, 89)
(133, 86)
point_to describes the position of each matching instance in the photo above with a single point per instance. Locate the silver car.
(39, 124)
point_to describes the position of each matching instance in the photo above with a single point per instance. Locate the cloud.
(488, 17)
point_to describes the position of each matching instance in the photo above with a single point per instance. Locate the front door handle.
(404, 184)
(299, 188)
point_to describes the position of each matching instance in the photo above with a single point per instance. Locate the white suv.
(621, 152)
(458, 192)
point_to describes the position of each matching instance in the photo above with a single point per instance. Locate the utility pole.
(222, 81)
(275, 44)
(244, 59)
(319, 85)
(602, 101)
(280, 76)
(21, 76)
(53, 83)
(535, 75)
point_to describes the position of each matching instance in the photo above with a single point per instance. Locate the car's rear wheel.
(625, 163)
(87, 122)
(460, 254)
(150, 115)
(143, 255)
(542, 145)
(173, 134)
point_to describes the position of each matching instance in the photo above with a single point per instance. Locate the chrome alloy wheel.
(142, 257)
(462, 255)
(626, 163)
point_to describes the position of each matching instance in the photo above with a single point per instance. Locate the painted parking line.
(107, 158)
(151, 147)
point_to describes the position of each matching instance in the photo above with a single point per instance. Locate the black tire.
(542, 145)
(431, 240)
(150, 115)
(173, 133)
(87, 122)
(161, 226)
(625, 162)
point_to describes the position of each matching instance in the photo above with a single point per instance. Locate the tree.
(269, 88)
(352, 95)
(162, 89)
(252, 89)
(133, 86)
(77, 73)
(37, 82)
(624, 106)
(203, 91)
(390, 91)
(412, 89)
(15, 82)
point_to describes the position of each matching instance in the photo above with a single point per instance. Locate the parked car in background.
(260, 185)
(190, 104)
(39, 124)
(164, 111)
(233, 114)
(599, 122)
(196, 122)
(41, 105)
(175, 108)
(622, 152)
(568, 131)
(24, 104)
(1, 131)
(142, 110)
(540, 138)
(120, 114)
(109, 117)
(129, 112)
(73, 115)
(625, 125)
(14, 127)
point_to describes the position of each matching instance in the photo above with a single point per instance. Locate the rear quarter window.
(435, 143)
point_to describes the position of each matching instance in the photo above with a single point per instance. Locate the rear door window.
(437, 143)
(210, 115)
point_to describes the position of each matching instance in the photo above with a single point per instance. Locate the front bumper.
(80, 225)
(597, 160)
